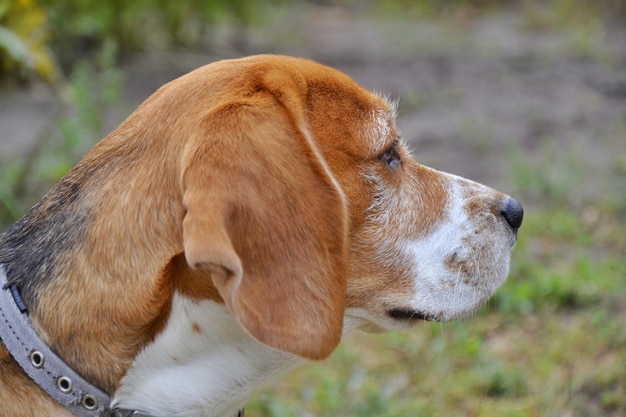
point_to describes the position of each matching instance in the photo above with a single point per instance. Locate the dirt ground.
(472, 92)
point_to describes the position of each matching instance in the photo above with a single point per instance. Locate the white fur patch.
(202, 364)
(449, 293)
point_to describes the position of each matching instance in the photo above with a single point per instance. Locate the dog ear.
(266, 217)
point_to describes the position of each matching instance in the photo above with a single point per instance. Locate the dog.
(241, 220)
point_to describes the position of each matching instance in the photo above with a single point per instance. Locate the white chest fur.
(202, 364)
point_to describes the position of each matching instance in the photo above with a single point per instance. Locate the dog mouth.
(409, 314)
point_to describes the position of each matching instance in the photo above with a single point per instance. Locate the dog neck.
(202, 360)
(97, 295)
(42, 365)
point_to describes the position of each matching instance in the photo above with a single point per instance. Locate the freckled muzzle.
(462, 262)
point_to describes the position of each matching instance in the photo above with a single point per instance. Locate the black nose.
(513, 212)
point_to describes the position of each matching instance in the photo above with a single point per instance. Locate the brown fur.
(239, 182)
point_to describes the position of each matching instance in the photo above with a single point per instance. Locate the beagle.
(242, 219)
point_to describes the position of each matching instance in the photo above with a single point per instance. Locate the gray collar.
(43, 366)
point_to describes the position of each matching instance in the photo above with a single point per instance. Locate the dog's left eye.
(391, 157)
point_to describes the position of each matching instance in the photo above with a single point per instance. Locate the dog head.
(303, 204)
(266, 197)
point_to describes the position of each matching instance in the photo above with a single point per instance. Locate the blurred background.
(527, 96)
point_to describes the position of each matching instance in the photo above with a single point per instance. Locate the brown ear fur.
(267, 219)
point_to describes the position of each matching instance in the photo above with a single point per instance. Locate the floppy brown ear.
(266, 217)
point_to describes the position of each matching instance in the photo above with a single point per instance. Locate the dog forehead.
(353, 118)
(340, 112)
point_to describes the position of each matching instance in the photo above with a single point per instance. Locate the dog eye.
(391, 157)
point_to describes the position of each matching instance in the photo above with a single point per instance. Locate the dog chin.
(399, 318)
